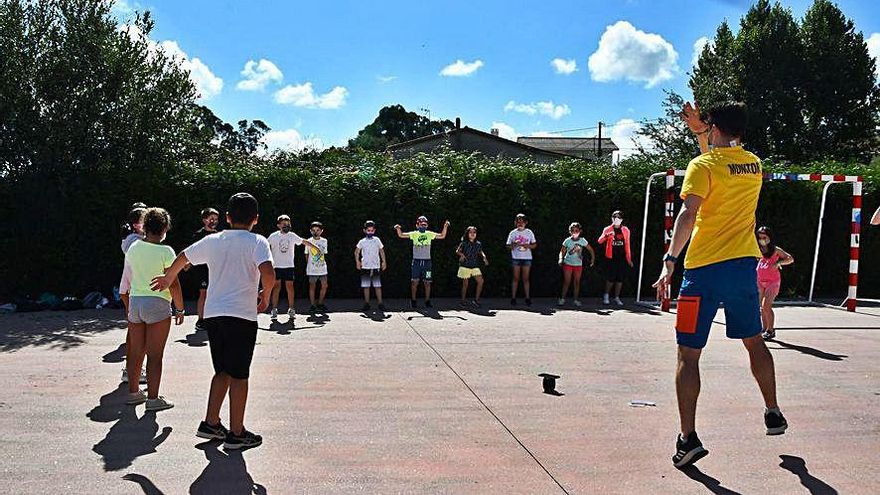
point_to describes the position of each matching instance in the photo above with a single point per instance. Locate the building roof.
(566, 145)
(471, 130)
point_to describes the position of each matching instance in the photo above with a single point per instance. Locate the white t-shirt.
(233, 257)
(316, 263)
(282, 248)
(370, 247)
(521, 239)
(129, 240)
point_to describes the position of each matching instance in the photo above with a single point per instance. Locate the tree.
(670, 137)
(810, 88)
(841, 96)
(395, 125)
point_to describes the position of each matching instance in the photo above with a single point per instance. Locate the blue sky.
(330, 66)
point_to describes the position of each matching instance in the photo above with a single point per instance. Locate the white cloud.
(291, 140)
(303, 95)
(563, 66)
(874, 52)
(206, 82)
(123, 8)
(698, 49)
(385, 79)
(257, 75)
(460, 68)
(625, 135)
(547, 108)
(627, 53)
(505, 131)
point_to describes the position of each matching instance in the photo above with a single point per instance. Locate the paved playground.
(444, 402)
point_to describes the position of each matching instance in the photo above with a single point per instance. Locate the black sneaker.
(413, 304)
(462, 303)
(428, 303)
(775, 423)
(366, 308)
(381, 307)
(768, 334)
(199, 325)
(244, 441)
(312, 309)
(218, 432)
(513, 301)
(477, 303)
(528, 301)
(688, 452)
(322, 308)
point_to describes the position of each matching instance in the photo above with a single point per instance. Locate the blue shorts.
(732, 283)
(517, 262)
(421, 270)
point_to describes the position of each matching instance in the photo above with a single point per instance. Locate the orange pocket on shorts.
(686, 317)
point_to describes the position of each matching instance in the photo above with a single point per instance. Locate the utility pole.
(599, 141)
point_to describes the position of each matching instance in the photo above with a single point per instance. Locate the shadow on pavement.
(798, 467)
(146, 485)
(130, 437)
(57, 329)
(115, 356)
(808, 350)
(226, 472)
(711, 484)
(199, 338)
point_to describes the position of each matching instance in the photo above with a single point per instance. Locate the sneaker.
(291, 313)
(159, 404)
(413, 304)
(513, 301)
(560, 302)
(577, 303)
(428, 303)
(124, 378)
(199, 326)
(274, 313)
(366, 308)
(688, 452)
(218, 432)
(244, 441)
(775, 422)
(477, 303)
(381, 307)
(143, 378)
(313, 309)
(135, 398)
(605, 299)
(528, 301)
(768, 334)
(322, 308)
(462, 303)
(618, 302)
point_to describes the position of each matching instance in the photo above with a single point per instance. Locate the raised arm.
(401, 234)
(442, 234)
(691, 115)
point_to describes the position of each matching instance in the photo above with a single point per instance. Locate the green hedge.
(61, 233)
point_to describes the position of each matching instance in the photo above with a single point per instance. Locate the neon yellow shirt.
(729, 181)
(146, 261)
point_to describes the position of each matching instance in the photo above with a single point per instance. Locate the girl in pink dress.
(772, 259)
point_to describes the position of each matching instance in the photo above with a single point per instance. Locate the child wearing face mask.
(772, 259)
(618, 257)
(521, 241)
(421, 264)
(132, 231)
(316, 268)
(210, 221)
(571, 259)
(369, 258)
(282, 243)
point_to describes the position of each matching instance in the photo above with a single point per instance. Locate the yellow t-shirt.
(729, 181)
(147, 261)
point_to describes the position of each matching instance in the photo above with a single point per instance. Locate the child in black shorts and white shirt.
(238, 261)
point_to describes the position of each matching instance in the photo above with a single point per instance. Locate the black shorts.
(232, 342)
(285, 274)
(200, 275)
(616, 270)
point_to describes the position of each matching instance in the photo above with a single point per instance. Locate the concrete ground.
(444, 402)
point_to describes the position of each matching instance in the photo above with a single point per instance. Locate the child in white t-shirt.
(283, 242)
(316, 267)
(521, 241)
(369, 258)
(238, 263)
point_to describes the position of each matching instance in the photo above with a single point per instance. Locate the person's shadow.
(226, 472)
(146, 485)
(130, 437)
(798, 467)
(711, 484)
(115, 356)
(811, 351)
(199, 338)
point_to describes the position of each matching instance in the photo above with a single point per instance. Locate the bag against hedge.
(50, 300)
(92, 300)
(70, 303)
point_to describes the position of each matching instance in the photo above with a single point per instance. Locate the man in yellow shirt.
(720, 193)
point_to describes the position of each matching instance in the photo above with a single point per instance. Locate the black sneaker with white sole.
(244, 441)
(217, 432)
(775, 423)
(688, 451)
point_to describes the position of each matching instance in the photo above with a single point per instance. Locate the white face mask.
(617, 221)
(576, 235)
(764, 242)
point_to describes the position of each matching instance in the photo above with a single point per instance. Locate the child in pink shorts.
(772, 259)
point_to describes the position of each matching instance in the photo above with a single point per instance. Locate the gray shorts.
(313, 279)
(148, 309)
